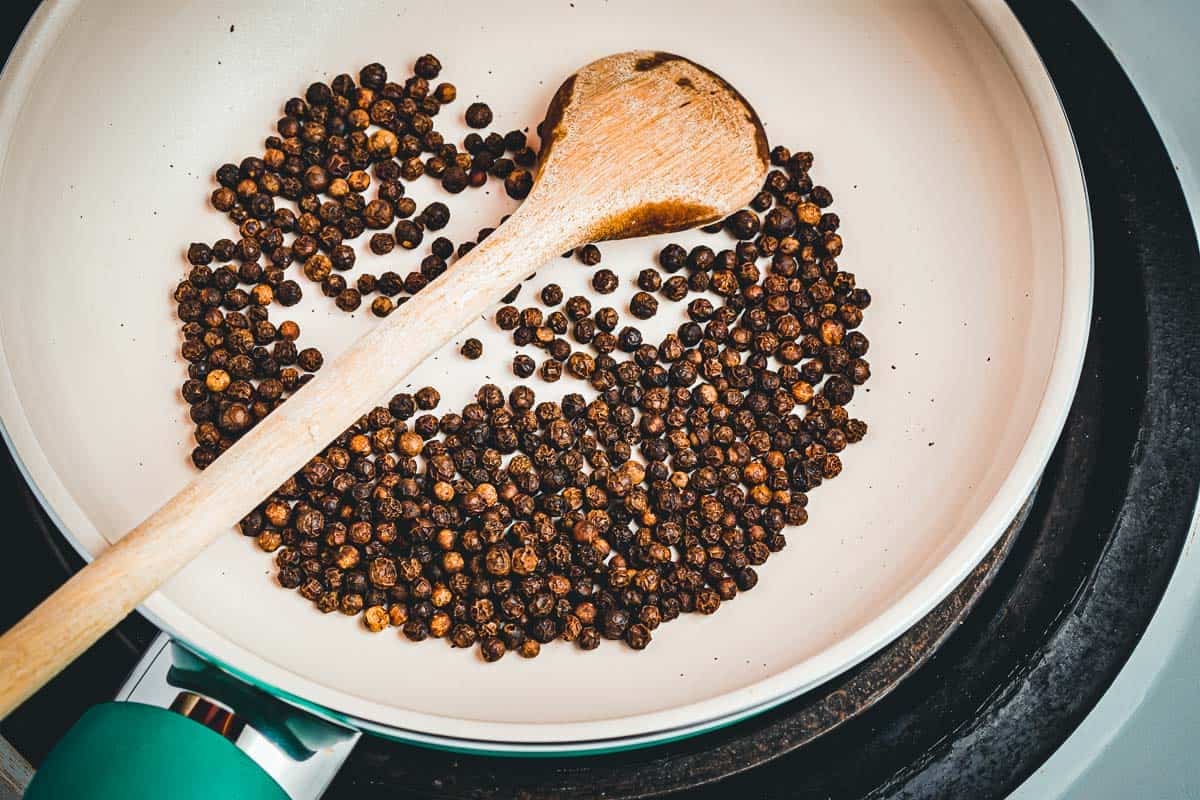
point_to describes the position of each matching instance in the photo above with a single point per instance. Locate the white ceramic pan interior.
(964, 213)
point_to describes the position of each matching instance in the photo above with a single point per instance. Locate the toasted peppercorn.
(649, 280)
(743, 224)
(518, 184)
(472, 348)
(643, 305)
(478, 115)
(427, 398)
(605, 281)
(589, 255)
(523, 366)
(607, 319)
(382, 306)
(310, 359)
(675, 288)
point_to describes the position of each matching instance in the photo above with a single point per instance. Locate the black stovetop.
(1047, 636)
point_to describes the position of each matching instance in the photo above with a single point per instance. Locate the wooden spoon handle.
(104, 592)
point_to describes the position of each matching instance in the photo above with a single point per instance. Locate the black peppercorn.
(675, 288)
(454, 179)
(472, 348)
(643, 305)
(605, 281)
(478, 115)
(518, 183)
(523, 366)
(743, 225)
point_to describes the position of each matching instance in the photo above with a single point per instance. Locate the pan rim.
(1063, 376)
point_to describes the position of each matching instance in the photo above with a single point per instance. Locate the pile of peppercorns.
(512, 522)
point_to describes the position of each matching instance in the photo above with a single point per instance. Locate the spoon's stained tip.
(693, 149)
(646, 61)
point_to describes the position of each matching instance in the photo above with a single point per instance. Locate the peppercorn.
(518, 183)
(552, 294)
(491, 648)
(643, 305)
(472, 348)
(743, 224)
(478, 115)
(605, 281)
(675, 288)
(427, 398)
(454, 179)
(523, 366)
(382, 306)
(551, 370)
(589, 255)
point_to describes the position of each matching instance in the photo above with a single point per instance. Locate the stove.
(985, 689)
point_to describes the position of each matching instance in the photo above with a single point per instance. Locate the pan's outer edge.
(1014, 490)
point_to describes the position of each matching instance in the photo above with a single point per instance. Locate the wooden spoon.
(634, 144)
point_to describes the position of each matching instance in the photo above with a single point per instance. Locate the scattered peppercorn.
(472, 348)
(643, 305)
(518, 183)
(523, 366)
(479, 115)
(605, 281)
(649, 280)
(589, 254)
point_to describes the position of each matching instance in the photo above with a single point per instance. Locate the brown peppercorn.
(578, 307)
(552, 294)
(607, 319)
(508, 318)
(427, 398)
(288, 293)
(743, 224)
(349, 299)
(523, 366)
(472, 348)
(707, 601)
(382, 306)
(455, 179)
(643, 305)
(649, 280)
(589, 639)
(518, 184)
(235, 418)
(605, 281)
(637, 635)
(675, 288)
(589, 254)
(491, 648)
(376, 618)
(551, 370)
(478, 115)
(382, 243)
(310, 359)
(408, 234)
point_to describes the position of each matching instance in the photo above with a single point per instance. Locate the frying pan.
(964, 212)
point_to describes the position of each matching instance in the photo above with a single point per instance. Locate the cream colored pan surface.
(964, 213)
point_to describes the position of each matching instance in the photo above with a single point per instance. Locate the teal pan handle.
(132, 751)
